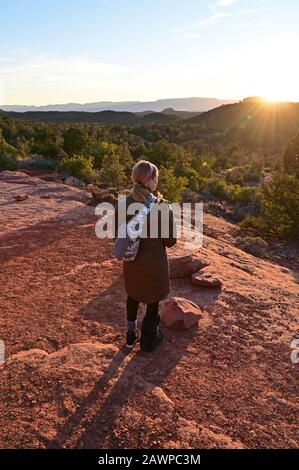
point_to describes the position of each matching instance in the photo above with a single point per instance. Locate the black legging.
(132, 309)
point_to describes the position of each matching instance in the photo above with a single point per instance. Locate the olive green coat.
(147, 277)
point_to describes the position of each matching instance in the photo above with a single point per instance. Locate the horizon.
(125, 101)
(266, 100)
(120, 50)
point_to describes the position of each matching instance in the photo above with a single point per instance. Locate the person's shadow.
(129, 374)
(108, 306)
(141, 372)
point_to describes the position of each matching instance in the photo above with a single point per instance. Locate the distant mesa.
(168, 105)
(168, 110)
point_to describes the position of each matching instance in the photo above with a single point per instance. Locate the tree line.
(263, 182)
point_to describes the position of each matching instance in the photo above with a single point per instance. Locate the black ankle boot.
(151, 335)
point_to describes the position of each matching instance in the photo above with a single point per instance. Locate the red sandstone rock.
(21, 197)
(205, 280)
(184, 266)
(180, 314)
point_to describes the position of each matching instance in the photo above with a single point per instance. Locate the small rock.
(21, 197)
(161, 396)
(180, 314)
(222, 366)
(205, 280)
(183, 266)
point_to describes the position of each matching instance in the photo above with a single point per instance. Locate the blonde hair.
(143, 171)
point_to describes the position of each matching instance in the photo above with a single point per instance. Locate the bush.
(235, 175)
(291, 157)
(77, 166)
(99, 150)
(279, 208)
(102, 195)
(74, 141)
(112, 172)
(193, 180)
(202, 183)
(205, 170)
(243, 195)
(113, 191)
(50, 150)
(38, 161)
(217, 187)
(253, 175)
(254, 245)
(7, 151)
(8, 162)
(170, 185)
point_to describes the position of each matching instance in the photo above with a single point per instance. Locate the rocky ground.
(68, 381)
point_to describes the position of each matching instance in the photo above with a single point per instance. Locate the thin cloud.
(60, 79)
(221, 15)
(221, 4)
(60, 70)
(197, 27)
(212, 18)
(186, 34)
(225, 3)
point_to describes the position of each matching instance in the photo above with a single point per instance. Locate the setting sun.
(275, 99)
(272, 99)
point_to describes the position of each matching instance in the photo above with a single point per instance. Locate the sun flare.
(274, 99)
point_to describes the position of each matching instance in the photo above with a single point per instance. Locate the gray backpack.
(127, 242)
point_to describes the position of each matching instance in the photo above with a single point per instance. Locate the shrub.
(193, 180)
(102, 195)
(77, 166)
(235, 175)
(254, 245)
(74, 141)
(99, 150)
(50, 150)
(217, 187)
(112, 172)
(7, 162)
(113, 191)
(243, 195)
(252, 175)
(205, 170)
(279, 208)
(291, 157)
(38, 161)
(170, 185)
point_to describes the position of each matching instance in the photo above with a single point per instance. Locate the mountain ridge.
(192, 104)
(253, 120)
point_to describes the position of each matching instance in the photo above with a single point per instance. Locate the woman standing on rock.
(146, 272)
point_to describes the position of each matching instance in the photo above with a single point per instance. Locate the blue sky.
(58, 51)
